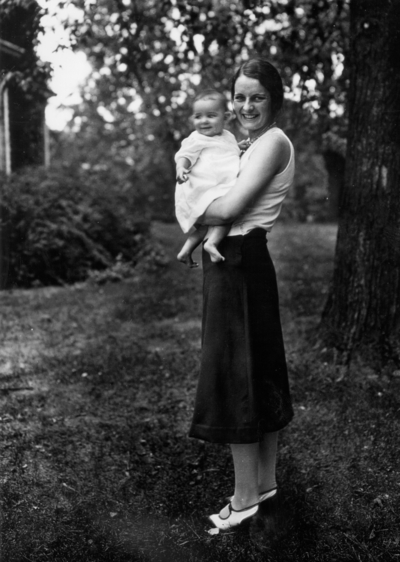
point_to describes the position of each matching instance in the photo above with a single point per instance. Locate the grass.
(96, 390)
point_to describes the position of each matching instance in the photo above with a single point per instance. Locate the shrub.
(58, 225)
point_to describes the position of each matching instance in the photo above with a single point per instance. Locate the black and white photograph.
(199, 280)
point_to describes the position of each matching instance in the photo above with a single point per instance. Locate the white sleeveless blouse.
(265, 208)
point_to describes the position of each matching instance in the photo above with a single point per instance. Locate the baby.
(207, 165)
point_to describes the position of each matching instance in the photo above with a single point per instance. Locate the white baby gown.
(213, 171)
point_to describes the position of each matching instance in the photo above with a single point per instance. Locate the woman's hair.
(267, 75)
(212, 95)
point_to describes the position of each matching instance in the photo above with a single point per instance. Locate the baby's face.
(208, 117)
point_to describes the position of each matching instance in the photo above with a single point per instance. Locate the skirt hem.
(233, 435)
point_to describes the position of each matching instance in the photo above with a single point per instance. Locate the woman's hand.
(269, 158)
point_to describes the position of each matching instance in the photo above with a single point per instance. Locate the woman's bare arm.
(269, 158)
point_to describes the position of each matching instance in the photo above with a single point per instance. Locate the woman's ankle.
(244, 501)
(267, 485)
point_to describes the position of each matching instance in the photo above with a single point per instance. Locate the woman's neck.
(253, 135)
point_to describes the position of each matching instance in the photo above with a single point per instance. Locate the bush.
(60, 224)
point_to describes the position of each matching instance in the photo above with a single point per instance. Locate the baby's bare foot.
(187, 259)
(213, 251)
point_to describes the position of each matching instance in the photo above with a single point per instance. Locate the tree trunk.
(363, 309)
(335, 166)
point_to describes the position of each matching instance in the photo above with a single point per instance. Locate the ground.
(96, 388)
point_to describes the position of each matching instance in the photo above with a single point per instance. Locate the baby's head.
(210, 113)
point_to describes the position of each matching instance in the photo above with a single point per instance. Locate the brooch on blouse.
(246, 143)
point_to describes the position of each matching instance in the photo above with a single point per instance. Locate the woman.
(243, 393)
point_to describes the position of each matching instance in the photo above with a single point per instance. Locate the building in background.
(23, 89)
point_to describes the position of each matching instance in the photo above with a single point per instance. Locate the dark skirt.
(243, 389)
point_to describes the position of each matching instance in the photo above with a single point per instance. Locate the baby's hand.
(244, 145)
(182, 175)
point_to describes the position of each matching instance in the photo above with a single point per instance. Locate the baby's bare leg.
(193, 240)
(215, 235)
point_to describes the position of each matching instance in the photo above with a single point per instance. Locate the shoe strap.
(244, 509)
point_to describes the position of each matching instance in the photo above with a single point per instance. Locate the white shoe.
(228, 517)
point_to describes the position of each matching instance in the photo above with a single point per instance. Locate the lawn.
(96, 387)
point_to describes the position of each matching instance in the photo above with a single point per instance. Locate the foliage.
(149, 58)
(62, 223)
(100, 147)
(160, 52)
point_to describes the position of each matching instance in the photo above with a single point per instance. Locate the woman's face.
(252, 105)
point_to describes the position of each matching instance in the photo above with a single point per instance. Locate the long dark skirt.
(243, 389)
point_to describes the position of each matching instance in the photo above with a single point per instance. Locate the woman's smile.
(249, 116)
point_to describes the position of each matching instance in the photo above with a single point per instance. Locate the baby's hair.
(212, 95)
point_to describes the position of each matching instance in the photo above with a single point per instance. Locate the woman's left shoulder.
(278, 146)
(276, 136)
(276, 141)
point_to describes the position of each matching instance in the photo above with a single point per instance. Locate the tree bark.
(363, 308)
(335, 166)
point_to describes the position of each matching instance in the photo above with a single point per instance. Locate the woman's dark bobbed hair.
(267, 75)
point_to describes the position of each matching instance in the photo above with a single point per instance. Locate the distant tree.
(363, 310)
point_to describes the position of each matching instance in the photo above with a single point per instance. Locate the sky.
(70, 69)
